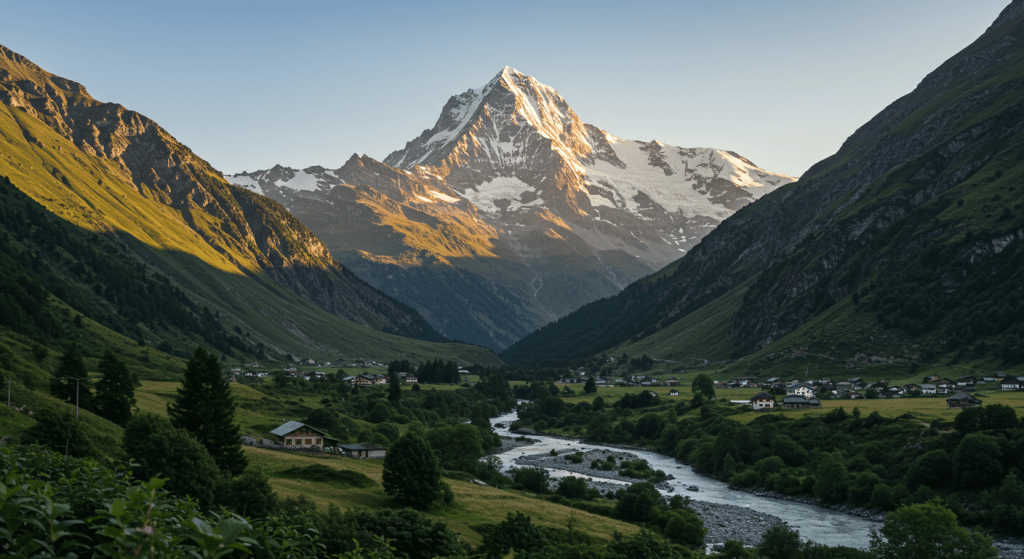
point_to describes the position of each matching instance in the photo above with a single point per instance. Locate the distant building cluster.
(805, 394)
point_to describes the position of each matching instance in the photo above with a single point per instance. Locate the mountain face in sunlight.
(511, 211)
(108, 169)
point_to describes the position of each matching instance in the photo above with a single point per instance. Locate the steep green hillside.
(903, 248)
(112, 280)
(152, 242)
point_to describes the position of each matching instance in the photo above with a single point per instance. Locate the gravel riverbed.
(723, 522)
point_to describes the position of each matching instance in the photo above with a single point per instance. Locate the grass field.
(474, 504)
(925, 408)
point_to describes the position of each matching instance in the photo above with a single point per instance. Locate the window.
(309, 441)
(318, 441)
(288, 442)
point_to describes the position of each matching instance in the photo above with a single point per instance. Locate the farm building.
(300, 435)
(363, 450)
(962, 400)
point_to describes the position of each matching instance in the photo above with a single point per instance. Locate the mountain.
(238, 256)
(902, 249)
(511, 211)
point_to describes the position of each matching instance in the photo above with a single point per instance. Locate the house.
(363, 450)
(762, 401)
(300, 435)
(673, 392)
(362, 380)
(1010, 383)
(800, 389)
(962, 400)
(672, 381)
(796, 401)
(409, 379)
(966, 380)
(908, 388)
(928, 389)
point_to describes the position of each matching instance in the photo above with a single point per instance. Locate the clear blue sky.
(248, 85)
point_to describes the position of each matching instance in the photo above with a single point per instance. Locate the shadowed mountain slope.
(912, 230)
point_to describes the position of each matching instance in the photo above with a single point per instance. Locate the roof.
(797, 399)
(293, 426)
(961, 396)
(763, 396)
(362, 446)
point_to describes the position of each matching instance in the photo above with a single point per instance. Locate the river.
(816, 524)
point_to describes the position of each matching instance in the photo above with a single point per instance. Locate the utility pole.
(78, 382)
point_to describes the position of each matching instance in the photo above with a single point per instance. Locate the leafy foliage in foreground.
(53, 506)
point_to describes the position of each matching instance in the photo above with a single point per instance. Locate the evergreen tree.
(71, 377)
(412, 473)
(394, 388)
(205, 408)
(590, 387)
(115, 391)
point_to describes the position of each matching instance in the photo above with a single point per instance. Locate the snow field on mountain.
(301, 181)
(247, 183)
(499, 188)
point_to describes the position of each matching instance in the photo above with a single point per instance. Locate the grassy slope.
(68, 183)
(702, 334)
(257, 413)
(473, 505)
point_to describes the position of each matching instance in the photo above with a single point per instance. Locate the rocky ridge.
(230, 227)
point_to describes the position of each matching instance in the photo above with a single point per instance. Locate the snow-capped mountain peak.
(511, 178)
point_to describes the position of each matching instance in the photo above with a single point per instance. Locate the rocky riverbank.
(723, 522)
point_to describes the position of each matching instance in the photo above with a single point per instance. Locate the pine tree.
(115, 391)
(394, 388)
(205, 408)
